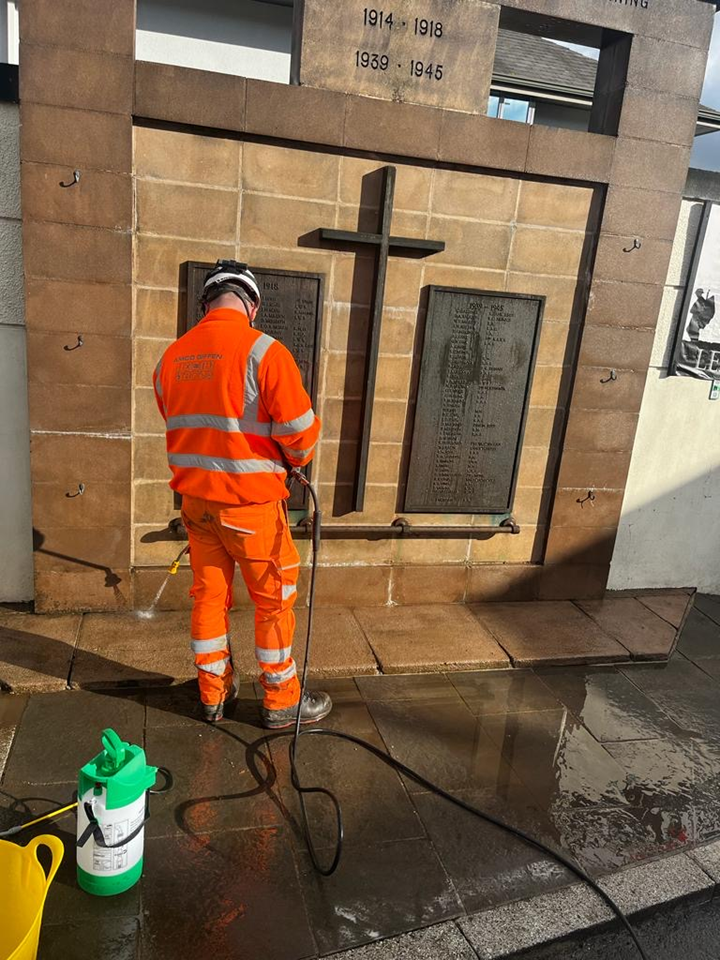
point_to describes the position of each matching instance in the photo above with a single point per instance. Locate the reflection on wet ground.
(611, 765)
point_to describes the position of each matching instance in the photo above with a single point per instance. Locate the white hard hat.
(232, 272)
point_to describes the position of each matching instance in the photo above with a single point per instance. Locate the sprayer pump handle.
(114, 747)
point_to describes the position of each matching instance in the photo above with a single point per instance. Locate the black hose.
(397, 765)
(294, 778)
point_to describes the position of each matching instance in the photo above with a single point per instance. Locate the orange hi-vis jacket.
(235, 411)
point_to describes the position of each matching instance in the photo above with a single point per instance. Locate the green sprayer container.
(112, 809)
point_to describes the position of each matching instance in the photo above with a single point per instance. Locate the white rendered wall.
(669, 534)
(9, 32)
(16, 568)
(246, 38)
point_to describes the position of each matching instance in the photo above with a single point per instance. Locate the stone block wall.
(76, 94)
(81, 89)
(201, 197)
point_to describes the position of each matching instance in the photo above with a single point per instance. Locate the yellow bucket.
(23, 888)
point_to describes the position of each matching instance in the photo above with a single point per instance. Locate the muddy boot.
(214, 712)
(314, 707)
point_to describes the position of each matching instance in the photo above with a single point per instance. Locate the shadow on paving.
(613, 765)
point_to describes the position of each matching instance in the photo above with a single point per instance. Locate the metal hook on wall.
(80, 492)
(75, 179)
(583, 500)
(613, 376)
(79, 343)
(636, 244)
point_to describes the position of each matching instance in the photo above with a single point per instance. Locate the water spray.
(172, 570)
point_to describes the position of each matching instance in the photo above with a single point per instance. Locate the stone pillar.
(76, 67)
(651, 157)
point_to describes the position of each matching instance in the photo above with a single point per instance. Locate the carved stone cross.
(385, 246)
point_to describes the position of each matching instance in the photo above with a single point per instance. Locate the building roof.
(540, 66)
(521, 56)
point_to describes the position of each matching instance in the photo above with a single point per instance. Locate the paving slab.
(179, 705)
(520, 744)
(684, 931)
(21, 802)
(11, 711)
(684, 691)
(443, 742)
(506, 930)
(229, 894)
(503, 691)
(433, 637)
(60, 732)
(708, 857)
(700, 637)
(549, 631)
(608, 703)
(562, 765)
(709, 665)
(125, 649)
(376, 806)
(339, 648)
(660, 883)
(671, 787)
(214, 789)
(110, 939)
(605, 839)
(670, 606)
(408, 686)
(709, 604)
(36, 651)
(487, 865)
(646, 635)
(441, 940)
(379, 890)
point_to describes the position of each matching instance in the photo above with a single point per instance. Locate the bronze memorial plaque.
(475, 378)
(291, 311)
(434, 52)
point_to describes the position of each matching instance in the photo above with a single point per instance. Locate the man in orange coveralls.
(236, 414)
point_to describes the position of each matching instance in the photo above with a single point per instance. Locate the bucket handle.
(57, 849)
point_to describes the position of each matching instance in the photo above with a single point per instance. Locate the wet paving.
(613, 765)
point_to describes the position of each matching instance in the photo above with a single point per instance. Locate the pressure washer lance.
(175, 565)
(302, 791)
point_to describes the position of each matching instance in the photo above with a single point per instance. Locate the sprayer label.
(113, 860)
(116, 859)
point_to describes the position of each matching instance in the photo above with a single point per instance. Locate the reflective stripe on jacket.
(235, 411)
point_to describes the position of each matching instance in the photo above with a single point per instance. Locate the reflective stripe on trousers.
(257, 538)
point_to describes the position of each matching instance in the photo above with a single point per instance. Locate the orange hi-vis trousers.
(257, 538)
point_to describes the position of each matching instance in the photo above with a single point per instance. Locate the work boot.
(314, 707)
(214, 712)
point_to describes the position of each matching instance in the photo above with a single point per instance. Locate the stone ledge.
(200, 98)
(506, 930)
(512, 928)
(42, 653)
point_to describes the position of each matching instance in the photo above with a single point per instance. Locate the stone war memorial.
(471, 300)
(488, 233)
